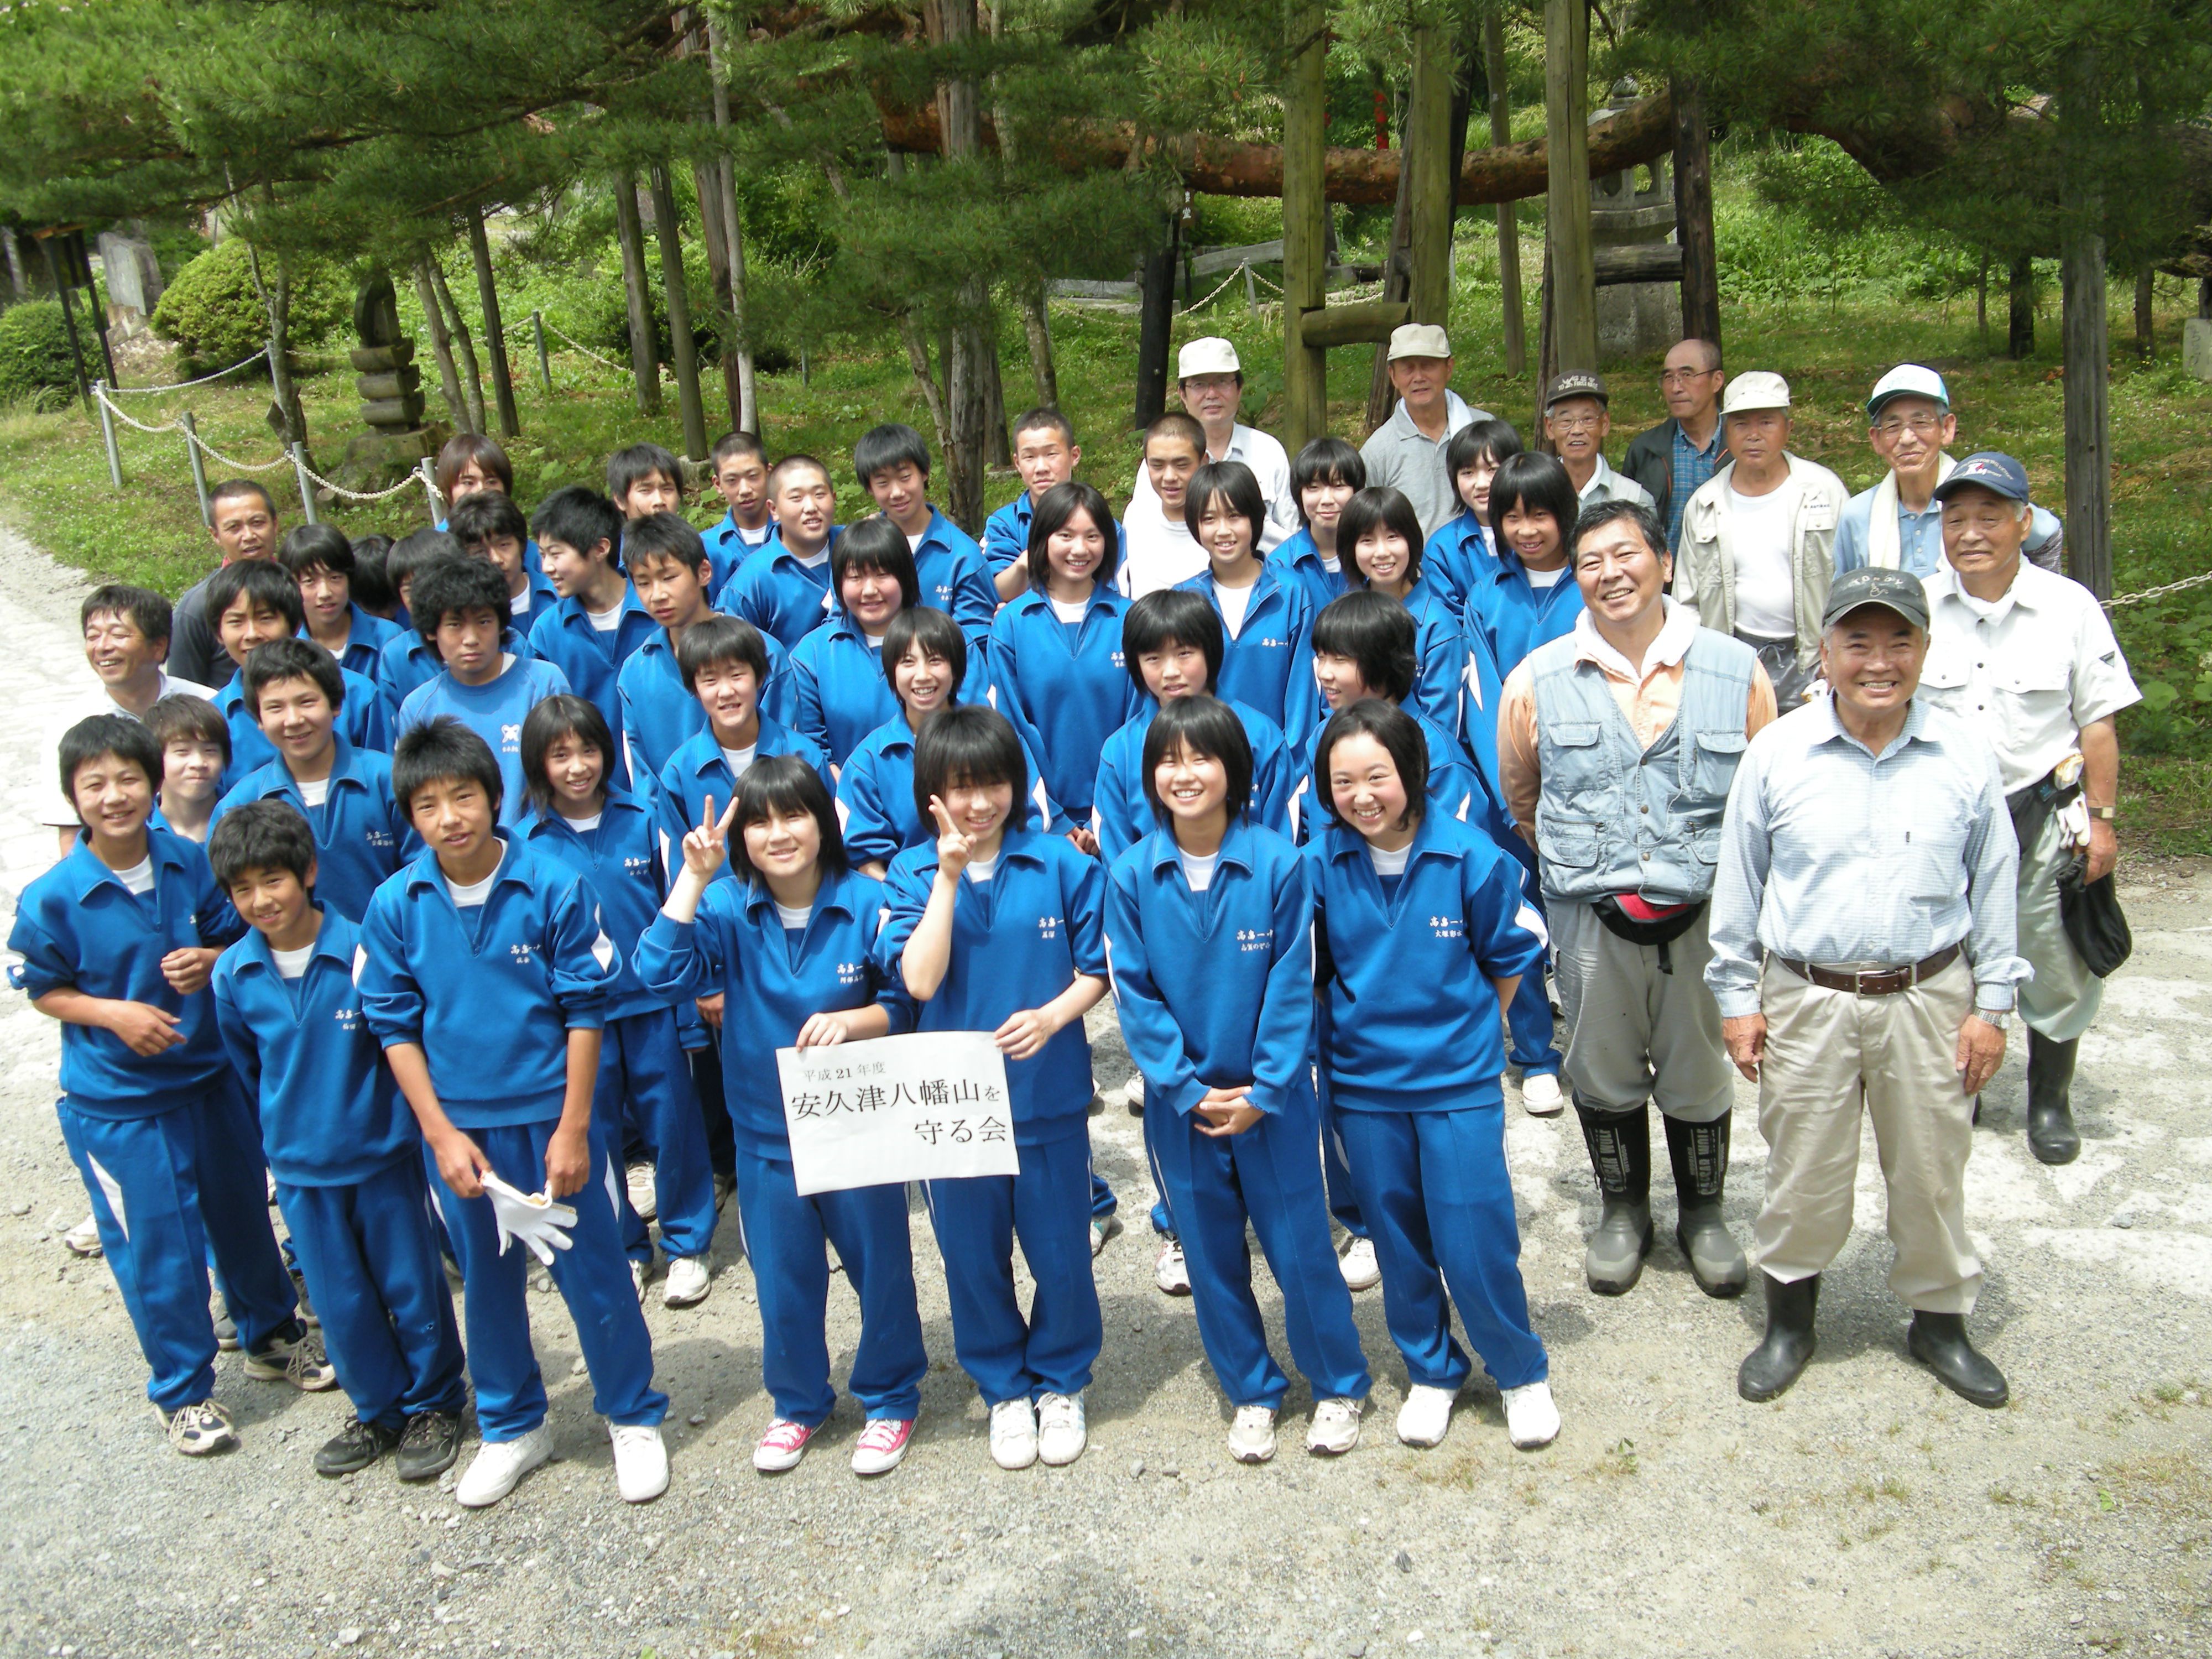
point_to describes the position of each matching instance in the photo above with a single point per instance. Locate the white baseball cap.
(1908, 380)
(1211, 355)
(1419, 340)
(1758, 389)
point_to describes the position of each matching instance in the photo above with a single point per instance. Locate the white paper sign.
(929, 1106)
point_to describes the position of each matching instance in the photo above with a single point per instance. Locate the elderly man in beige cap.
(1406, 452)
(1210, 382)
(1758, 539)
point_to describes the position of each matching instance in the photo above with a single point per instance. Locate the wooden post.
(502, 382)
(544, 357)
(1567, 201)
(1509, 229)
(1428, 153)
(2145, 322)
(442, 346)
(682, 348)
(2020, 323)
(629, 233)
(705, 179)
(1693, 216)
(69, 323)
(1156, 325)
(2083, 326)
(733, 229)
(1305, 221)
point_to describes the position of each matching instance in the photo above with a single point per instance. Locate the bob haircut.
(973, 746)
(414, 550)
(293, 658)
(580, 518)
(714, 640)
(1599, 514)
(262, 834)
(1493, 440)
(264, 582)
(453, 587)
(1325, 460)
(443, 751)
(879, 546)
(1058, 505)
(476, 519)
(1401, 740)
(1205, 725)
(1377, 633)
(634, 466)
(142, 607)
(1232, 481)
(880, 448)
(938, 636)
(307, 546)
(1166, 617)
(1529, 482)
(117, 735)
(371, 579)
(465, 446)
(783, 787)
(1378, 510)
(563, 715)
(661, 536)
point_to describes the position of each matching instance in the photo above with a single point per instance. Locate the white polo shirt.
(53, 807)
(1270, 464)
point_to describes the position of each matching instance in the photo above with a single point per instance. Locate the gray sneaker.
(297, 1359)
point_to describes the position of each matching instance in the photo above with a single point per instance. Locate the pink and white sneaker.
(882, 1445)
(781, 1447)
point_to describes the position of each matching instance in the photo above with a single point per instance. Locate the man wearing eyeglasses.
(1674, 460)
(1899, 524)
(1578, 425)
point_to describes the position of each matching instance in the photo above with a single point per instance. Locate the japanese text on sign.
(930, 1106)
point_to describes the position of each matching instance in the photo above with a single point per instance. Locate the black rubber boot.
(1938, 1340)
(2050, 1133)
(1768, 1369)
(1621, 1153)
(1700, 1153)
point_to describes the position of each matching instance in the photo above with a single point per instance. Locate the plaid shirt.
(1694, 467)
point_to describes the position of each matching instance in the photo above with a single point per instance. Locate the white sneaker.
(1540, 1093)
(687, 1283)
(1132, 1094)
(1359, 1265)
(644, 1195)
(271, 1176)
(1252, 1436)
(1013, 1434)
(83, 1239)
(1062, 1432)
(1103, 1227)
(1425, 1417)
(1171, 1273)
(637, 1281)
(641, 1462)
(1335, 1427)
(498, 1464)
(1531, 1418)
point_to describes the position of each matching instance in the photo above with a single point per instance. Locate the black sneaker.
(226, 1334)
(354, 1447)
(428, 1448)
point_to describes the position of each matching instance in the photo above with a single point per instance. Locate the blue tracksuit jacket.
(777, 594)
(1269, 665)
(697, 770)
(366, 638)
(875, 795)
(362, 835)
(1065, 688)
(564, 636)
(659, 714)
(1119, 815)
(495, 712)
(1301, 559)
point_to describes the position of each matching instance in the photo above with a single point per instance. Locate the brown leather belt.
(1874, 982)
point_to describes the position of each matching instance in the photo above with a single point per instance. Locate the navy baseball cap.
(1986, 469)
(1893, 590)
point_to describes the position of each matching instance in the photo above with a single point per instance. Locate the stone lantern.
(1634, 319)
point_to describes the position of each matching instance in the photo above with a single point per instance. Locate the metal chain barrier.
(101, 392)
(2118, 600)
(150, 391)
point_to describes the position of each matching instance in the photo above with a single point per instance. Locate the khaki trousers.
(1829, 1054)
(2063, 997)
(1633, 1033)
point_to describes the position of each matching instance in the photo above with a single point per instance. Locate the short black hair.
(1326, 460)
(1531, 482)
(1599, 514)
(1170, 615)
(1399, 733)
(371, 580)
(633, 466)
(414, 550)
(714, 641)
(974, 745)
(1041, 418)
(263, 581)
(882, 447)
(938, 636)
(122, 737)
(183, 716)
(306, 546)
(736, 443)
(145, 609)
(1376, 632)
(563, 714)
(874, 544)
(580, 517)
(228, 488)
(462, 447)
(441, 749)
(658, 535)
(476, 519)
(1178, 424)
(1494, 439)
(1371, 510)
(1205, 726)
(1054, 509)
(790, 464)
(262, 834)
(1234, 482)
(294, 658)
(784, 786)
(453, 588)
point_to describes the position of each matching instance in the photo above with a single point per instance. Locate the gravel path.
(1867, 1513)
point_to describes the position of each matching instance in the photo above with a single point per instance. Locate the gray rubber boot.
(1768, 1369)
(1621, 1154)
(1700, 1153)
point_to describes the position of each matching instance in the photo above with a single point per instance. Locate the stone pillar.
(390, 389)
(1634, 319)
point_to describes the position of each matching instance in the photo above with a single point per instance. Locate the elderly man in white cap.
(1406, 452)
(1758, 539)
(1210, 382)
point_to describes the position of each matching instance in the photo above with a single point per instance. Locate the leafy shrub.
(215, 315)
(34, 354)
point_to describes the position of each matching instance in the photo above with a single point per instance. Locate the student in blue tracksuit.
(469, 464)
(609, 838)
(490, 526)
(116, 942)
(925, 657)
(1265, 614)
(598, 625)
(995, 928)
(1209, 926)
(1056, 650)
(789, 946)
(194, 744)
(1045, 454)
(1380, 534)
(342, 1147)
(784, 589)
(260, 606)
(1327, 474)
(839, 688)
(741, 480)
(892, 462)
(485, 976)
(1465, 546)
(319, 558)
(359, 834)
(1424, 930)
(406, 662)
(459, 613)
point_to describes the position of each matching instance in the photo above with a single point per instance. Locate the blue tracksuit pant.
(1528, 1023)
(1271, 1173)
(1336, 1178)
(170, 1192)
(1103, 1201)
(644, 1090)
(594, 1281)
(1434, 1187)
(977, 1220)
(784, 1235)
(371, 1260)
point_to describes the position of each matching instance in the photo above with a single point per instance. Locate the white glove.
(2074, 822)
(533, 1217)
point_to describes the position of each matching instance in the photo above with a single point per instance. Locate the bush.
(215, 317)
(34, 354)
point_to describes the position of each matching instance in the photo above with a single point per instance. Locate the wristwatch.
(2109, 814)
(2000, 1017)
